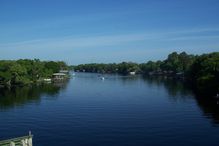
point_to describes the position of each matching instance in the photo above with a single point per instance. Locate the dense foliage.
(26, 71)
(202, 71)
(122, 68)
(175, 63)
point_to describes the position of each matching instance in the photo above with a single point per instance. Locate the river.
(117, 111)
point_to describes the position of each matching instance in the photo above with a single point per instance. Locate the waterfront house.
(59, 76)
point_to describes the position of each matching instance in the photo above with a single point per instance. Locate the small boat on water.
(101, 76)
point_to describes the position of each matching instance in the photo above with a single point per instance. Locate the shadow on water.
(130, 78)
(176, 89)
(18, 96)
(179, 90)
(210, 108)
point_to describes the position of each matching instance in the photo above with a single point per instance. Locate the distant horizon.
(109, 62)
(80, 32)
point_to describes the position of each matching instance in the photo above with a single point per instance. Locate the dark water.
(119, 111)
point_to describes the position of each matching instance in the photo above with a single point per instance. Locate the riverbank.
(201, 71)
(25, 72)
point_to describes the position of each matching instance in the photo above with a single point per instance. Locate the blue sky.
(86, 31)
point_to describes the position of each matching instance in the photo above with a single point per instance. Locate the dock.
(19, 141)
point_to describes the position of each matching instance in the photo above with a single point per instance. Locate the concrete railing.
(19, 141)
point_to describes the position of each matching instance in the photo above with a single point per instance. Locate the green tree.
(204, 73)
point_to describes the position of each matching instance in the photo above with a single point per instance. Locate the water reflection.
(175, 88)
(180, 91)
(177, 91)
(18, 96)
(210, 108)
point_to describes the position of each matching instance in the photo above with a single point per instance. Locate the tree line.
(174, 63)
(202, 71)
(26, 71)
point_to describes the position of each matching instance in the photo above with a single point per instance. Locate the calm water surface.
(117, 111)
